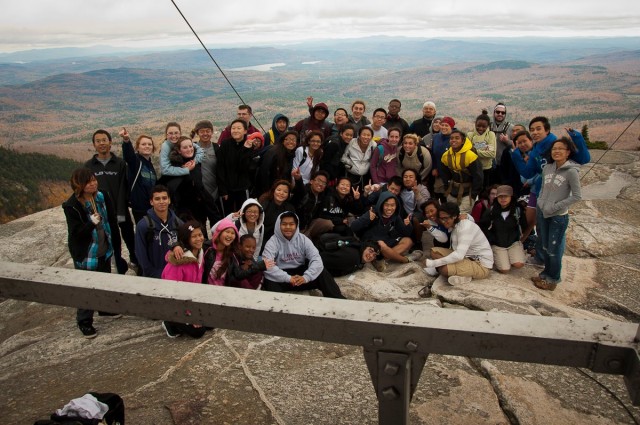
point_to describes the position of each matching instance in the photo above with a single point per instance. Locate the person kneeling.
(298, 266)
(471, 256)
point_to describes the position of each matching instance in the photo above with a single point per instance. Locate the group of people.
(298, 205)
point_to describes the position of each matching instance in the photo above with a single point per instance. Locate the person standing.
(93, 237)
(244, 113)
(393, 118)
(142, 173)
(422, 125)
(156, 233)
(111, 173)
(560, 189)
(204, 131)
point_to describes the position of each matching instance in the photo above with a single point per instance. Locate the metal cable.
(214, 61)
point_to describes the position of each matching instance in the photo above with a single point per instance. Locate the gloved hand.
(96, 219)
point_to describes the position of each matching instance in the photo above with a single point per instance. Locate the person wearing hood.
(279, 125)
(187, 267)
(249, 220)
(384, 225)
(462, 171)
(316, 121)
(156, 233)
(384, 159)
(298, 265)
(560, 189)
(219, 252)
(427, 141)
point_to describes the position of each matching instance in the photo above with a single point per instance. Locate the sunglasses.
(500, 112)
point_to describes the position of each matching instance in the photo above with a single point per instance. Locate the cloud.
(32, 23)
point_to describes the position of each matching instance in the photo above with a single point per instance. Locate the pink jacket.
(187, 269)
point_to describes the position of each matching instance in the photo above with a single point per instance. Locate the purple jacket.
(384, 167)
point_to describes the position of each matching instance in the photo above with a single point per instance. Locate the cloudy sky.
(31, 24)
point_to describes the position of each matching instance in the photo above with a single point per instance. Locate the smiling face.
(456, 141)
(409, 179)
(428, 111)
(204, 135)
(368, 255)
(252, 214)
(447, 221)
(344, 187)
(281, 194)
(102, 144)
(481, 126)
(340, 117)
(145, 146)
(499, 114)
(226, 237)
(393, 137)
(365, 137)
(394, 188)
(560, 152)
(186, 148)
(288, 227)
(357, 110)
(196, 239)
(290, 142)
(318, 184)
(238, 131)
(445, 128)
(431, 212)
(314, 143)
(537, 131)
(389, 207)
(173, 134)
(347, 135)
(248, 247)
(436, 125)
(409, 145)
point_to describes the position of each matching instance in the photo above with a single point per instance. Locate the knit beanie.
(448, 120)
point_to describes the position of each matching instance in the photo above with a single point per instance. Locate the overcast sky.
(30, 24)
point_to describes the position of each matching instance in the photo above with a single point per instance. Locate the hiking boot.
(112, 315)
(543, 284)
(431, 271)
(414, 256)
(171, 333)
(87, 330)
(459, 280)
(380, 265)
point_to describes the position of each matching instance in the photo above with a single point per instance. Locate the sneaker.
(431, 271)
(543, 284)
(112, 315)
(380, 265)
(87, 330)
(414, 256)
(459, 280)
(171, 333)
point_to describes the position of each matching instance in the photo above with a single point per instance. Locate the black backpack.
(151, 227)
(335, 241)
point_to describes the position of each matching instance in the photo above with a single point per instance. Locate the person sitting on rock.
(384, 225)
(470, 256)
(298, 265)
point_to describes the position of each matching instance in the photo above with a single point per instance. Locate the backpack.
(335, 241)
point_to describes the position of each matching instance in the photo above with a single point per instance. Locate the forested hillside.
(30, 182)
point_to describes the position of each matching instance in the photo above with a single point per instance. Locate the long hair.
(268, 196)
(317, 156)
(184, 233)
(226, 254)
(283, 159)
(79, 179)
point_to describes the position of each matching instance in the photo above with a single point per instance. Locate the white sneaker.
(431, 271)
(459, 280)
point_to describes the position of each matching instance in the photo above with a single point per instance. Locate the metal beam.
(599, 345)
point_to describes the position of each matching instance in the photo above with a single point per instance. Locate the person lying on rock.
(344, 255)
(470, 256)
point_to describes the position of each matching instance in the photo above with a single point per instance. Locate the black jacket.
(112, 180)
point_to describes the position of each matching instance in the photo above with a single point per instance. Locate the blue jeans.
(551, 234)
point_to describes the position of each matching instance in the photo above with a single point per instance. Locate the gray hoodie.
(290, 254)
(560, 188)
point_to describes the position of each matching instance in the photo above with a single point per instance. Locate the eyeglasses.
(500, 112)
(447, 218)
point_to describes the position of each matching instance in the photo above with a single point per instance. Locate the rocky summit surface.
(231, 377)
